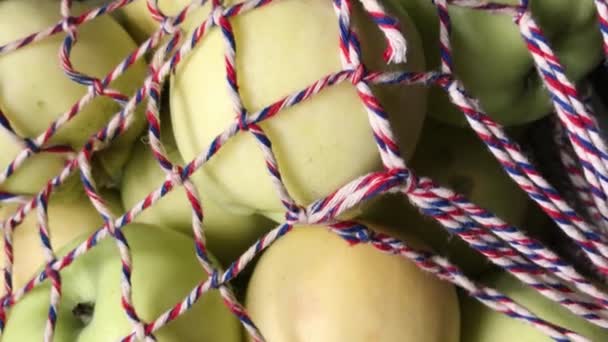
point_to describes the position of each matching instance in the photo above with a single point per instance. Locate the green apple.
(455, 158)
(320, 144)
(165, 269)
(68, 217)
(35, 91)
(311, 285)
(229, 234)
(491, 58)
(480, 323)
(113, 200)
(137, 20)
(395, 209)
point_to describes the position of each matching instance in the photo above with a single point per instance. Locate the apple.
(480, 323)
(137, 20)
(320, 144)
(597, 101)
(68, 217)
(228, 234)
(456, 158)
(35, 91)
(491, 58)
(165, 269)
(311, 285)
(395, 209)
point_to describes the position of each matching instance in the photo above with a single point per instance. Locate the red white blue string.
(583, 151)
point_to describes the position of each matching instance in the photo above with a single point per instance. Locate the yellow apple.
(35, 90)
(67, 219)
(229, 234)
(320, 144)
(311, 285)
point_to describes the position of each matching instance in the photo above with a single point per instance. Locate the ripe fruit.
(68, 218)
(228, 234)
(455, 158)
(311, 285)
(164, 270)
(320, 144)
(481, 323)
(35, 90)
(491, 58)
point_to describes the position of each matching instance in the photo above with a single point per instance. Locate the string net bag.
(581, 147)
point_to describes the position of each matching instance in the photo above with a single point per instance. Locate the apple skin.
(228, 234)
(35, 91)
(320, 144)
(480, 323)
(598, 103)
(395, 209)
(136, 19)
(491, 58)
(455, 158)
(312, 286)
(68, 217)
(165, 269)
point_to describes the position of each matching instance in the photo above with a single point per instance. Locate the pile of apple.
(310, 285)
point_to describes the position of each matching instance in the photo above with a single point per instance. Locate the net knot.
(454, 88)
(214, 279)
(176, 175)
(358, 73)
(410, 180)
(168, 26)
(140, 333)
(68, 24)
(242, 120)
(522, 13)
(110, 227)
(217, 13)
(31, 145)
(446, 81)
(50, 272)
(97, 87)
(297, 214)
(440, 79)
(5, 302)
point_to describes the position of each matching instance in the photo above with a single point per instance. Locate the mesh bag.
(582, 150)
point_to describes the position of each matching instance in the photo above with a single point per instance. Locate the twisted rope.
(503, 244)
